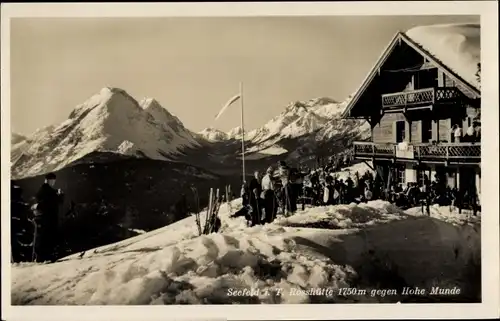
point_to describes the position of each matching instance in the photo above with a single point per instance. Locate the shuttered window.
(399, 130)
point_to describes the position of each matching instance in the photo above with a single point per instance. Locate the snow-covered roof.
(455, 48)
(458, 46)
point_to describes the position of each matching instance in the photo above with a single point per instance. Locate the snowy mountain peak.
(315, 102)
(321, 101)
(235, 132)
(103, 99)
(160, 114)
(109, 121)
(317, 119)
(169, 121)
(213, 134)
(297, 107)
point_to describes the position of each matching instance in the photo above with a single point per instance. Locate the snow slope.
(181, 135)
(18, 143)
(110, 121)
(282, 260)
(458, 46)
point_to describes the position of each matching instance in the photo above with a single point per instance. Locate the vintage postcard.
(250, 161)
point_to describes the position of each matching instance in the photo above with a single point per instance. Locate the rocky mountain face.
(109, 121)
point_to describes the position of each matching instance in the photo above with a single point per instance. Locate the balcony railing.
(458, 152)
(412, 98)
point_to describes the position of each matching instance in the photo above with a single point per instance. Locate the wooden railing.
(420, 97)
(440, 151)
(449, 150)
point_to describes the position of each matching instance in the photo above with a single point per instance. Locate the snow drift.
(109, 121)
(458, 46)
(369, 246)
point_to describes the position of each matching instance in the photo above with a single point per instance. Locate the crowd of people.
(281, 190)
(277, 190)
(472, 135)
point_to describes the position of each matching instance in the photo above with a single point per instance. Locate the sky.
(192, 66)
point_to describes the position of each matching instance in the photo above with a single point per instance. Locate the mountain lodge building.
(412, 100)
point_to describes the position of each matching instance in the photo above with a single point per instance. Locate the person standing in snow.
(425, 198)
(412, 194)
(295, 181)
(48, 201)
(349, 190)
(254, 192)
(244, 194)
(284, 174)
(341, 188)
(368, 193)
(269, 196)
(329, 192)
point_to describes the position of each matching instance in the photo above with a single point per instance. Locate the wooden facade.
(412, 102)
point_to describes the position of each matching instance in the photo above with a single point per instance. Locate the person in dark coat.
(48, 201)
(348, 190)
(425, 197)
(284, 174)
(255, 190)
(270, 202)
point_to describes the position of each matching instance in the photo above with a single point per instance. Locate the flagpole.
(242, 131)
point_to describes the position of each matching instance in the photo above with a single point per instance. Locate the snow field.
(280, 261)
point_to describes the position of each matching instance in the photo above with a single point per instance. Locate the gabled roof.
(386, 54)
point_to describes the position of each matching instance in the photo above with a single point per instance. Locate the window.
(400, 175)
(426, 130)
(426, 78)
(400, 131)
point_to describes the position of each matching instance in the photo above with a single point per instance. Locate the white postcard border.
(490, 162)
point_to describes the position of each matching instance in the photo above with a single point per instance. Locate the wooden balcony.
(420, 97)
(463, 153)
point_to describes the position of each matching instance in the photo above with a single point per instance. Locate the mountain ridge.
(112, 121)
(109, 121)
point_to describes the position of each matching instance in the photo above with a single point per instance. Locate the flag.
(229, 103)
